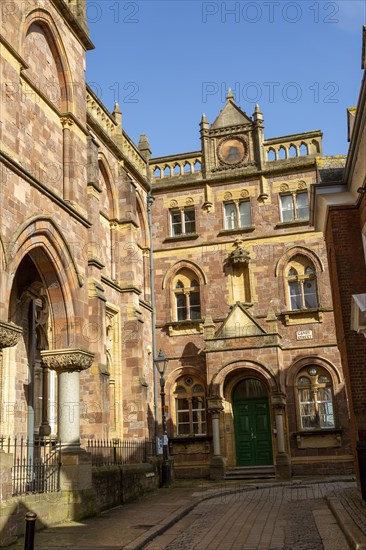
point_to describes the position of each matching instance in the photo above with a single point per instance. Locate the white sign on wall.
(304, 335)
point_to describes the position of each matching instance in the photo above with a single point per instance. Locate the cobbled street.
(277, 518)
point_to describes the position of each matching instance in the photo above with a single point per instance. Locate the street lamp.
(161, 363)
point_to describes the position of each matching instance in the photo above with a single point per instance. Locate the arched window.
(186, 291)
(190, 406)
(301, 284)
(315, 399)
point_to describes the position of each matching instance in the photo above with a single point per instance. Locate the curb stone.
(353, 534)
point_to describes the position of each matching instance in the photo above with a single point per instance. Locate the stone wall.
(111, 487)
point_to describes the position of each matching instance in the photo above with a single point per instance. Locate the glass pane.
(181, 307)
(295, 295)
(183, 417)
(303, 381)
(310, 297)
(180, 389)
(302, 203)
(194, 283)
(194, 304)
(230, 216)
(189, 220)
(250, 388)
(197, 388)
(182, 404)
(183, 429)
(179, 285)
(292, 272)
(245, 214)
(324, 379)
(309, 271)
(287, 208)
(197, 403)
(176, 222)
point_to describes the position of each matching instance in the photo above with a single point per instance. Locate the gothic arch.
(294, 251)
(41, 240)
(44, 19)
(171, 273)
(3, 260)
(109, 185)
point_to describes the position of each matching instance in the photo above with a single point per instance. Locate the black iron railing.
(114, 452)
(36, 464)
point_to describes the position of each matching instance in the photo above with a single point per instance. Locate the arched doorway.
(252, 424)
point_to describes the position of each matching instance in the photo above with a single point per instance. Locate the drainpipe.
(150, 200)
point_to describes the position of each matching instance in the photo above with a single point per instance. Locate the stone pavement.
(296, 515)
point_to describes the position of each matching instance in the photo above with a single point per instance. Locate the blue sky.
(167, 62)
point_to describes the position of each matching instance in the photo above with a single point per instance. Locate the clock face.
(232, 151)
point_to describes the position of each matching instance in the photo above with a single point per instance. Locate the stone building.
(339, 211)
(243, 303)
(244, 309)
(75, 308)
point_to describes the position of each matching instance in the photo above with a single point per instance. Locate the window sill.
(236, 231)
(319, 438)
(302, 316)
(293, 223)
(182, 328)
(184, 237)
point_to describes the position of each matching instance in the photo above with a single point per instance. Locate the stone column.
(217, 465)
(76, 463)
(68, 363)
(9, 337)
(282, 459)
(67, 122)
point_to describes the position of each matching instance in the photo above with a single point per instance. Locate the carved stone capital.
(66, 121)
(9, 334)
(278, 400)
(214, 405)
(70, 360)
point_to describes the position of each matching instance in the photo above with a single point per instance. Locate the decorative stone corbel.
(9, 334)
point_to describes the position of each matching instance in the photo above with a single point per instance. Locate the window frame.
(238, 214)
(296, 281)
(189, 307)
(196, 420)
(314, 406)
(183, 222)
(295, 207)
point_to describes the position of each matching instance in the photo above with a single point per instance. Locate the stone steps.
(250, 472)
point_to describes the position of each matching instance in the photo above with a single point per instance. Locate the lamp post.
(161, 363)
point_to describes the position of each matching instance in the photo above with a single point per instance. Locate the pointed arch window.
(186, 291)
(190, 407)
(315, 399)
(301, 284)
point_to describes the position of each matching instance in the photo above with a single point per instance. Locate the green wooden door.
(252, 432)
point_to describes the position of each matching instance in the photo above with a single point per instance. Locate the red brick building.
(339, 210)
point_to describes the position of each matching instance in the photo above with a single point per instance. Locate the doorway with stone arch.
(252, 424)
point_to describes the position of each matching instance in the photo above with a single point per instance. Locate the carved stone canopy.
(70, 360)
(9, 334)
(239, 255)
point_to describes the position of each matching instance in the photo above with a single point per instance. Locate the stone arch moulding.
(42, 234)
(104, 167)
(183, 371)
(294, 251)
(302, 362)
(217, 382)
(3, 260)
(144, 228)
(45, 20)
(170, 274)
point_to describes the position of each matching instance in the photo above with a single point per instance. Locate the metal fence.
(114, 452)
(36, 464)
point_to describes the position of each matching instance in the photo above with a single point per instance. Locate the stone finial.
(230, 96)
(209, 328)
(204, 123)
(257, 115)
(144, 146)
(271, 319)
(117, 114)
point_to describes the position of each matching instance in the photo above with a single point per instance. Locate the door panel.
(252, 432)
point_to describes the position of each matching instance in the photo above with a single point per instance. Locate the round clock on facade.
(232, 151)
